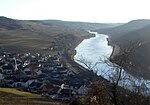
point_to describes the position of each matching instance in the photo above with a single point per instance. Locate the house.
(8, 69)
(10, 84)
(36, 87)
(69, 72)
(33, 60)
(26, 84)
(1, 70)
(9, 78)
(26, 63)
(55, 81)
(15, 61)
(27, 71)
(59, 65)
(27, 54)
(62, 69)
(1, 57)
(24, 79)
(17, 84)
(47, 88)
(35, 65)
(2, 63)
(62, 94)
(82, 90)
(66, 92)
(20, 74)
(43, 75)
(11, 55)
(1, 76)
(53, 94)
(39, 72)
(45, 71)
(48, 66)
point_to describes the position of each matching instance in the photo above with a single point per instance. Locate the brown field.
(35, 37)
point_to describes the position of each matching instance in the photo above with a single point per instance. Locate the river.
(92, 54)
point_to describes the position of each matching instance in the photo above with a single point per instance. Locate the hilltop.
(9, 24)
(119, 31)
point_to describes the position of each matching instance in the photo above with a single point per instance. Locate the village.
(40, 74)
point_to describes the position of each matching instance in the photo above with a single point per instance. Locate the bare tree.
(112, 92)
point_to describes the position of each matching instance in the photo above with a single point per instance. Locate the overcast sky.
(104, 11)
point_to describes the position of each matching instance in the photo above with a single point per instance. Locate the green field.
(12, 96)
(19, 93)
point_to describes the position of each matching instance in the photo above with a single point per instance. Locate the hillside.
(77, 25)
(119, 31)
(140, 56)
(140, 35)
(35, 37)
(135, 32)
(8, 23)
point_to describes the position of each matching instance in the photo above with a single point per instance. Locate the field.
(11, 96)
(34, 37)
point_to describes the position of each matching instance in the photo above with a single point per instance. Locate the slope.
(35, 37)
(119, 31)
(135, 32)
(140, 55)
(77, 25)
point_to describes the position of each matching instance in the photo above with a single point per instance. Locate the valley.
(45, 51)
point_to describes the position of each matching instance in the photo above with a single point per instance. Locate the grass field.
(34, 37)
(12, 96)
(19, 93)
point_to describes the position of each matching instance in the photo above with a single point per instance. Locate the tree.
(112, 93)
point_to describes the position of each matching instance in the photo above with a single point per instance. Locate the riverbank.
(115, 52)
(77, 68)
(116, 49)
(133, 70)
(94, 48)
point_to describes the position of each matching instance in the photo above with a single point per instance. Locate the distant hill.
(25, 36)
(140, 35)
(119, 31)
(76, 25)
(8, 23)
(137, 31)
(36, 35)
(141, 55)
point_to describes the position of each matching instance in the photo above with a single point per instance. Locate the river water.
(92, 54)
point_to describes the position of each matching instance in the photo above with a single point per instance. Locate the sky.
(102, 11)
